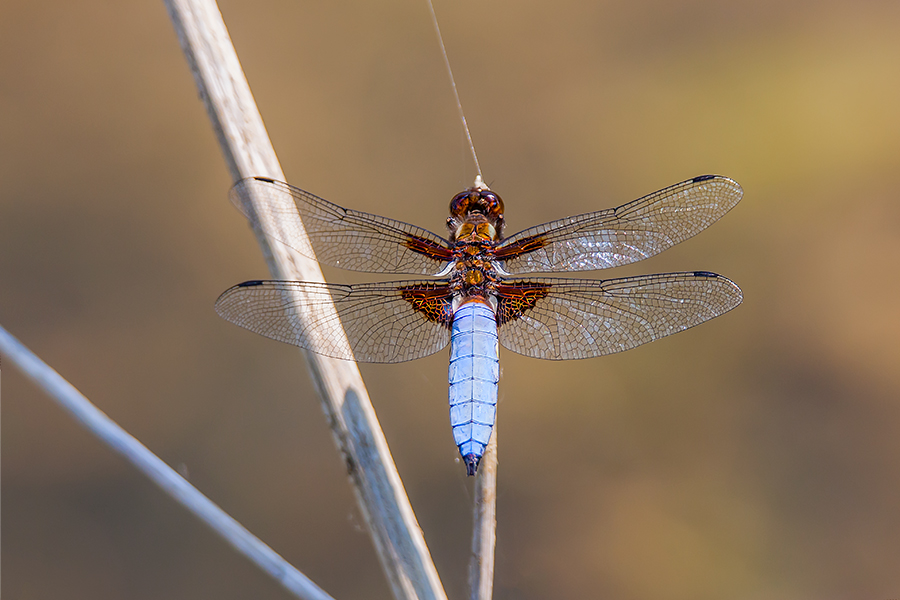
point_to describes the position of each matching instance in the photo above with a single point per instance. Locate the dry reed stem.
(248, 152)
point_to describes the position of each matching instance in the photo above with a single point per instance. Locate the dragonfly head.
(476, 206)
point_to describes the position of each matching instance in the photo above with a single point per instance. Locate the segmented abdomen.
(474, 373)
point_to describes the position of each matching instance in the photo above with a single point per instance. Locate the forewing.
(623, 235)
(384, 322)
(561, 319)
(341, 237)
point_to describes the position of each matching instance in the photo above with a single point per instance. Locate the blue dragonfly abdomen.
(474, 374)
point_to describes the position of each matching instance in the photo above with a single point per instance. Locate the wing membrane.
(581, 318)
(384, 322)
(623, 235)
(341, 237)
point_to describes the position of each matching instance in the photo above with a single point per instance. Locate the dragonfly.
(479, 294)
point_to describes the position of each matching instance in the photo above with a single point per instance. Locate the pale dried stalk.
(110, 433)
(248, 152)
(484, 530)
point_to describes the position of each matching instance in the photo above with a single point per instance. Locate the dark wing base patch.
(433, 301)
(514, 300)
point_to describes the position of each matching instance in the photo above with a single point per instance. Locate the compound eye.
(460, 204)
(493, 203)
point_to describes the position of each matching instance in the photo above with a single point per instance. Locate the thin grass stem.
(484, 530)
(110, 433)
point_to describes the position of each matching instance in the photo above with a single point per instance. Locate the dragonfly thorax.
(476, 228)
(474, 274)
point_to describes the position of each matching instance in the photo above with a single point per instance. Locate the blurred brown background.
(755, 457)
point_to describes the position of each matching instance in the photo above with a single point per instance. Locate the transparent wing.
(340, 237)
(623, 235)
(581, 318)
(384, 322)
